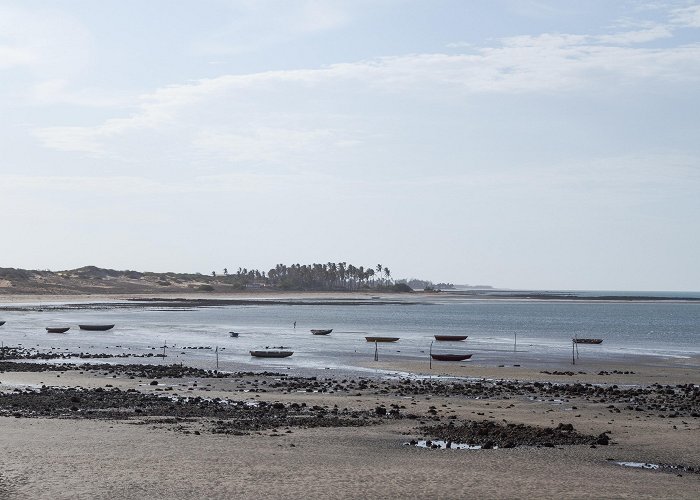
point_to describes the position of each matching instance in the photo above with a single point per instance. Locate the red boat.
(382, 339)
(451, 357)
(587, 341)
(451, 337)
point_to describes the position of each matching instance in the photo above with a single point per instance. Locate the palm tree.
(370, 274)
(342, 272)
(333, 273)
(387, 273)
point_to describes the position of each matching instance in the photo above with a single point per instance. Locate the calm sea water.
(540, 331)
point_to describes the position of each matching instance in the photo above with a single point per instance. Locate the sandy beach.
(66, 456)
(134, 431)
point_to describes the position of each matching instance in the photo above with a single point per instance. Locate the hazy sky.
(522, 143)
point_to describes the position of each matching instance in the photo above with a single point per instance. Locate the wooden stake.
(431, 354)
(376, 351)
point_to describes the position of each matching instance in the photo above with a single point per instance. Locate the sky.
(514, 143)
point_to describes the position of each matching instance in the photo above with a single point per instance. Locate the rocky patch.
(489, 434)
(230, 417)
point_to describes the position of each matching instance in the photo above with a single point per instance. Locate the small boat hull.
(271, 354)
(451, 338)
(233, 334)
(382, 339)
(63, 329)
(2, 323)
(587, 341)
(451, 357)
(96, 328)
(321, 332)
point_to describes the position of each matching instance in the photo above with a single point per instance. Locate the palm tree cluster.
(329, 276)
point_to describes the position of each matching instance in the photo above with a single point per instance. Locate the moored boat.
(96, 328)
(233, 334)
(321, 332)
(450, 357)
(451, 337)
(2, 323)
(59, 329)
(271, 354)
(382, 339)
(587, 341)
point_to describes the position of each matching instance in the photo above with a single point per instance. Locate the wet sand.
(630, 370)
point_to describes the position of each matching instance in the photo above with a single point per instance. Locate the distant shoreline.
(584, 295)
(277, 297)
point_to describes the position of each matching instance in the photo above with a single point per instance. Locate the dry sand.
(94, 460)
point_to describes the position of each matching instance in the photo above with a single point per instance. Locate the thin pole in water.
(376, 351)
(573, 351)
(515, 341)
(217, 358)
(431, 354)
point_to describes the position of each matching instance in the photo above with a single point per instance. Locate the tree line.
(321, 277)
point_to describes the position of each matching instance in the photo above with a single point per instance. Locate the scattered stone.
(490, 434)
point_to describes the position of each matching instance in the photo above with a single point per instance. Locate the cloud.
(272, 116)
(77, 139)
(12, 56)
(266, 144)
(637, 36)
(43, 41)
(687, 16)
(263, 23)
(46, 51)
(61, 91)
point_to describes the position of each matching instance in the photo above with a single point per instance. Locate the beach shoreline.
(272, 295)
(134, 428)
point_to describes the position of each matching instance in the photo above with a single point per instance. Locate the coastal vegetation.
(330, 276)
(417, 284)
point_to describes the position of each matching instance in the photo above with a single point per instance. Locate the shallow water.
(442, 445)
(543, 330)
(638, 465)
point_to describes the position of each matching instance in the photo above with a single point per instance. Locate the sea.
(503, 328)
